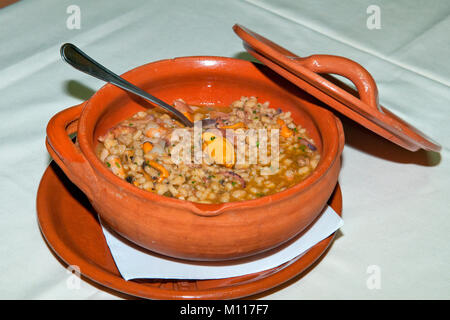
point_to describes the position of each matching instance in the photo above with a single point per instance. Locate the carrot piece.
(285, 131)
(163, 171)
(189, 116)
(147, 146)
(146, 176)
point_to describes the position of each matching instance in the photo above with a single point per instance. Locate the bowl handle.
(67, 154)
(360, 77)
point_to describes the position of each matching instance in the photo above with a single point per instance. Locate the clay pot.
(184, 229)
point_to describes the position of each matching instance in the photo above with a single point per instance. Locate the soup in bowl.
(223, 206)
(241, 152)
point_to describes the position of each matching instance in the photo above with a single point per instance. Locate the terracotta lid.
(308, 74)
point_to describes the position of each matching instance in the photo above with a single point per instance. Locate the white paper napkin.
(134, 262)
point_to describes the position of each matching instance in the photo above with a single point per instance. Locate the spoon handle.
(81, 61)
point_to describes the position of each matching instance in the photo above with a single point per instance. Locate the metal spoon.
(81, 61)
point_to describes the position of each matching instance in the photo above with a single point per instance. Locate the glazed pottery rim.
(326, 161)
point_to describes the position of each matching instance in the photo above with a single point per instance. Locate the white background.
(396, 203)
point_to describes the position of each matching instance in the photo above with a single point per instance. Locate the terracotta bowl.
(184, 229)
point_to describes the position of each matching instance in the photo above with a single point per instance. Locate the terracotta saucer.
(70, 227)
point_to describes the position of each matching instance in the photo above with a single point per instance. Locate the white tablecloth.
(395, 242)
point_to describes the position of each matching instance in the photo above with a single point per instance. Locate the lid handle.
(360, 77)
